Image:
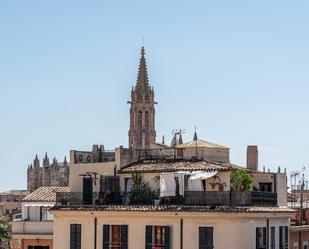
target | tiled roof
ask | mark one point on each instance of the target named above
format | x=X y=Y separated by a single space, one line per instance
x=172 y=208
x=45 y=194
x=199 y=143
x=176 y=165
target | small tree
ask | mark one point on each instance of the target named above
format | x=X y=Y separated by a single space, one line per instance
x=141 y=193
x=241 y=180
x=4 y=232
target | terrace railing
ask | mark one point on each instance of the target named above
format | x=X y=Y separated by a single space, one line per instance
x=230 y=198
x=198 y=198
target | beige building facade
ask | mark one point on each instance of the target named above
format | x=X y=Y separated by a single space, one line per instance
x=230 y=230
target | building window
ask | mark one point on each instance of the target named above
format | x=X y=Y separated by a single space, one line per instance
x=157 y=236
x=260 y=238
x=265 y=186
x=206 y=238
x=283 y=237
x=115 y=236
x=273 y=238
x=75 y=236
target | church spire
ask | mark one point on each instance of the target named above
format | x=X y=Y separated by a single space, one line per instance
x=142 y=77
x=142 y=112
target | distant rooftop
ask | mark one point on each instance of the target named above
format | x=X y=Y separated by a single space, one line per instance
x=200 y=144
x=45 y=194
x=15 y=192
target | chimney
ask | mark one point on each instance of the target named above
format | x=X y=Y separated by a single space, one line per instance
x=252 y=157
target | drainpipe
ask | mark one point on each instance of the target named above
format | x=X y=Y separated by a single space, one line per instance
x=95 y=232
x=181 y=234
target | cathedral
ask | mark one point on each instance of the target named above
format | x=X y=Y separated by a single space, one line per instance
x=50 y=174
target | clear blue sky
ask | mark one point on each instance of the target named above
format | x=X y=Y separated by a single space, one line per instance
x=239 y=70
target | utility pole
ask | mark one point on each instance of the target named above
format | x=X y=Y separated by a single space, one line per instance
x=300 y=218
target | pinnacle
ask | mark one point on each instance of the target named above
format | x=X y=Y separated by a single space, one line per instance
x=142 y=78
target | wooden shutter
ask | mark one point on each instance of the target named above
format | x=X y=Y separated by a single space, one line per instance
x=286 y=237
x=167 y=237
x=72 y=236
x=281 y=244
x=264 y=237
x=273 y=238
x=75 y=236
x=206 y=238
x=124 y=236
x=148 y=237
x=257 y=234
x=78 y=236
x=105 y=236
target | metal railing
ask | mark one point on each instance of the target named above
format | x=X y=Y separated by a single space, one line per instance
x=199 y=198
x=231 y=198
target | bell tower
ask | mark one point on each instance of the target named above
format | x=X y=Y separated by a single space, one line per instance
x=142 y=112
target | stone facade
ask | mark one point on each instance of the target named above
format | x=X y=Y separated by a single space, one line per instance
x=50 y=174
x=142 y=112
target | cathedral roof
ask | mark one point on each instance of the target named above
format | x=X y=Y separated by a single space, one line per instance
x=45 y=194
x=199 y=144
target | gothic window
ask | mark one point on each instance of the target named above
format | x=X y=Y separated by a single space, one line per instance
x=146 y=128
x=139 y=128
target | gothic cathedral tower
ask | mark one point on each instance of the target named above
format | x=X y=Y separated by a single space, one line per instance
x=142 y=112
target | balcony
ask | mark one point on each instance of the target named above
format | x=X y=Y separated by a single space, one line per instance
x=191 y=198
x=32 y=227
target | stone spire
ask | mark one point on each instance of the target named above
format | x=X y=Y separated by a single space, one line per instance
x=142 y=77
x=36 y=162
x=46 y=161
x=142 y=112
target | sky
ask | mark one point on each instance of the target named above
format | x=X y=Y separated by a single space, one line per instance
x=237 y=70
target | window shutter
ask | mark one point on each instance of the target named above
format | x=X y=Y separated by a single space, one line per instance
x=105 y=236
x=257 y=238
x=124 y=236
x=202 y=237
x=206 y=238
x=72 y=236
x=264 y=236
x=210 y=237
x=167 y=237
x=281 y=244
x=286 y=235
x=148 y=237
x=78 y=236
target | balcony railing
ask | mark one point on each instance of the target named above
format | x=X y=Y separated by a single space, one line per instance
x=231 y=198
x=32 y=227
x=198 y=198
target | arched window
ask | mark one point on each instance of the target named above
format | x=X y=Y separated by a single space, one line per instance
x=139 y=128
x=146 y=128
